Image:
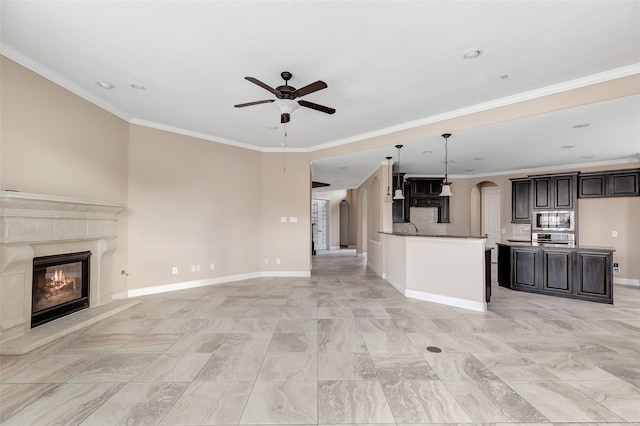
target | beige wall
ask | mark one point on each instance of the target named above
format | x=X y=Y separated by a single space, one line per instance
x=189 y=201
x=189 y=204
x=285 y=194
x=378 y=217
x=56 y=143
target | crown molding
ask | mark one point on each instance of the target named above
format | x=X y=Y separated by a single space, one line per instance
x=485 y=106
x=56 y=78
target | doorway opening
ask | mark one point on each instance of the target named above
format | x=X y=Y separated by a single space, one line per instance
x=319 y=224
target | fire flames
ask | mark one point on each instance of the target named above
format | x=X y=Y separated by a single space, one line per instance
x=59 y=281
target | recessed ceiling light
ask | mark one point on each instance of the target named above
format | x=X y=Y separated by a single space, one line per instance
x=504 y=76
x=105 y=84
x=468 y=170
x=472 y=54
x=449 y=162
x=343 y=167
x=568 y=146
x=273 y=127
x=479 y=158
x=587 y=156
x=138 y=86
x=581 y=126
x=427 y=152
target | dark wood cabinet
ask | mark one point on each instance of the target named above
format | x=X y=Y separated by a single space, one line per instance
x=554 y=192
x=584 y=274
x=624 y=184
x=420 y=192
x=443 y=212
x=541 y=193
x=504 y=265
x=520 y=200
x=525 y=264
x=593 y=275
x=400 y=208
x=557 y=271
x=426 y=187
x=612 y=183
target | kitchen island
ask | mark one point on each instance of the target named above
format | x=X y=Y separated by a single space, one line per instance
x=582 y=272
x=445 y=269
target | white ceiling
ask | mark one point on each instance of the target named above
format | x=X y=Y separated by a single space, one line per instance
x=387 y=64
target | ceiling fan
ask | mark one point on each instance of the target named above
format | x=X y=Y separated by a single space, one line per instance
x=286 y=96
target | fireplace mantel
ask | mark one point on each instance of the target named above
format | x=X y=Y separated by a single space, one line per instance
x=33 y=225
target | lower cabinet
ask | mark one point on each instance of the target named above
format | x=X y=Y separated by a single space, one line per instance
x=593 y=275
x=575 y=273
x=526 y=264
x=557 y=271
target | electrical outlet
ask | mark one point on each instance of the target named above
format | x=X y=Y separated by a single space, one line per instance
x=293 y=219
x=616 y=268
x=193 y=268
x=174 y=270
x=614 y=234
x=277 y=261
x=266 y=261
x=197 y=268
x=283 y=219
x=212 y=266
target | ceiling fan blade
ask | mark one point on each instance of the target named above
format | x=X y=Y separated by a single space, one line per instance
x=285 y=118
x=317 y=107
x=264 y=86
x=313 y=87
x=267 y=101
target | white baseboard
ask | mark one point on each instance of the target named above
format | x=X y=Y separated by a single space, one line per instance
x=207 y=282
x=627 y=281
x=374 y=269
x=446 y=300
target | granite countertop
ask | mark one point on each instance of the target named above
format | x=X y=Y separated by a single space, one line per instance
x=411 y=234
x=579 y=247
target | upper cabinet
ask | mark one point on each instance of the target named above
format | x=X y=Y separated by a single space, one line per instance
x=420 y=192
x=520 y=200
x=554 y=192
x=613 y=183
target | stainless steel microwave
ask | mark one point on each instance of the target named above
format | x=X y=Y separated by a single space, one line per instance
x=553 y=220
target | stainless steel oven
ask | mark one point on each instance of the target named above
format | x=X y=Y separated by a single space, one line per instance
x=553 y=220
x=553 y=239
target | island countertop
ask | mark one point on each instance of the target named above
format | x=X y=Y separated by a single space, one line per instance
x=411 y=234
x=557 y=246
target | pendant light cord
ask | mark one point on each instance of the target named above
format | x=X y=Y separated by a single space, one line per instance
x=446 y=161
x=284 y=150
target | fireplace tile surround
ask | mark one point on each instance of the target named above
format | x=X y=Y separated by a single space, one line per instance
x=34 y=225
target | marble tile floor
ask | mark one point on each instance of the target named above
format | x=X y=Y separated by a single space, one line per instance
x=340 y=347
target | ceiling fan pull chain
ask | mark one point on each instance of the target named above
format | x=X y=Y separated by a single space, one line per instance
x=284 y=150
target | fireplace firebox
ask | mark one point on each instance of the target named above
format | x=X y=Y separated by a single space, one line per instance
x=60 y=286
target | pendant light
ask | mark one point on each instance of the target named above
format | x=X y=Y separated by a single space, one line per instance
x=398 y=194
x=388 y=198
x=446 y=185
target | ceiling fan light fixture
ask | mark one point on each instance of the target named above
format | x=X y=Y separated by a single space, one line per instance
x=286 y=106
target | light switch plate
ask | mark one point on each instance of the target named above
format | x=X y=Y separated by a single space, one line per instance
x=283 y=219
x=293 y=219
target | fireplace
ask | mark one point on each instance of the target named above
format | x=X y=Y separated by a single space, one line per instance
x=60 y=286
